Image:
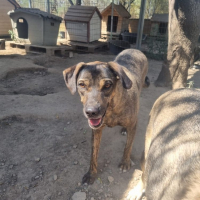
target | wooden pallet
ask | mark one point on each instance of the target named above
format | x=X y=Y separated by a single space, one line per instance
x=2 y=44
x=17 y=45
x=49 y=50
x=107 y=36
x=86 y=47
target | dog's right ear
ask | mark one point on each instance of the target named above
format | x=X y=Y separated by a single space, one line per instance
x=70 y=76
x=126 y=82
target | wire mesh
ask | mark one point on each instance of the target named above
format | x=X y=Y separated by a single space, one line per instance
x=60 y=7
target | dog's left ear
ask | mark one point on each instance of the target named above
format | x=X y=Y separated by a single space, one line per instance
x=70 y=76
x=126 y=82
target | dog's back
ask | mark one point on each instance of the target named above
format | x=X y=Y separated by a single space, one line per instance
x=172 y=147
x=136 y=62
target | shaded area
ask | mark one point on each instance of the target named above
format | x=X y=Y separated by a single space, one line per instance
x=172 y=162
x=30 y=81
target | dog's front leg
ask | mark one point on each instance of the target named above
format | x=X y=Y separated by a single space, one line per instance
x=90 y=176
x=126 y=161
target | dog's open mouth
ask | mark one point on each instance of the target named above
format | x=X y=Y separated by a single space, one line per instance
x=95 y=123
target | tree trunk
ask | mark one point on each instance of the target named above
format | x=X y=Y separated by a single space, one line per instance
x=183 y=33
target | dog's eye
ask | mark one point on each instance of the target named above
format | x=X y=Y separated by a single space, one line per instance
x=81 y=85
x=107 y=85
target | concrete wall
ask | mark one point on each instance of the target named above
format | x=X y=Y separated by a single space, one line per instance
x=77 y=31
x=35 y=27
x=95 y=27
x=51 y=28
x=5 y=22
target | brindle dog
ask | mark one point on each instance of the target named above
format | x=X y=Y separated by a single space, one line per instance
x=110 y=94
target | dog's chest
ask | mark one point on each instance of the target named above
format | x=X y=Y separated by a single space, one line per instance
x=114 y=120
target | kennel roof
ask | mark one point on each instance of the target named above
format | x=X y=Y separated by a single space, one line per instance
x=81 y=13
x=35 y=11
x=160 y=18
x=121 y=10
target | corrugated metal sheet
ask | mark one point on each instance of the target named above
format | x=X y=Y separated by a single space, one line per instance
x=81 y=13
x=160 y=18
x=119 y=9
x=35 y=11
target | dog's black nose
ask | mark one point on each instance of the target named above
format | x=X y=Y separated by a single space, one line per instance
x=92 y=111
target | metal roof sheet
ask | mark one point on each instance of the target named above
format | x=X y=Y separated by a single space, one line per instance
x=160 y=18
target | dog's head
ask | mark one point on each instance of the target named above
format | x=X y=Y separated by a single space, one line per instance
x=96 y=83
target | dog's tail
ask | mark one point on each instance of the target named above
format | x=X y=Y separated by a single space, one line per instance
x=146 y=82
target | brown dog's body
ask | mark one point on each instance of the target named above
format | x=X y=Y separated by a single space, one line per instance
x=110 y=94
x=171 y=170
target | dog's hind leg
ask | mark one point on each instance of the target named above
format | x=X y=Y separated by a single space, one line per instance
x=90 y=176
x=126 y=161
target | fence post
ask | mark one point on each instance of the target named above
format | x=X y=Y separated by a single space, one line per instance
x=140 y=25
x=30 y=4
x=111 y=28
x=48 y=6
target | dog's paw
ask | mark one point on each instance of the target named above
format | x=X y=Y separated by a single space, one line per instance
x=123 y=131
x=137 y=192
x=124 y=166
x=88 y=178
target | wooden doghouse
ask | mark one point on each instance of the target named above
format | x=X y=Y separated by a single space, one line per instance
x=133 y=26
x=83 y=23
x=31 y=25
x=159 y=25
x=5 y=23
x=120 y=19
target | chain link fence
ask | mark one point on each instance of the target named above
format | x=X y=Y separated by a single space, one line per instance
x=60 y=7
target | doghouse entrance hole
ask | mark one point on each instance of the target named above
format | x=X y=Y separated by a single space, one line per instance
x=22 y=28
x=115 y=21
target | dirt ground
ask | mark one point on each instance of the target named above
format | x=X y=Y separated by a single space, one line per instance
x=45 y=139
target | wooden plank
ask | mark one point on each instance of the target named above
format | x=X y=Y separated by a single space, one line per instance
x=78 y=38
x=77 y=33
x=76 y=26
x=79 y=11
x=78 y=15
x=77 y=29
x=78 y=19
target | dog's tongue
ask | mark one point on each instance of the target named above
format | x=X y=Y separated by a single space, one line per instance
x=95 y=122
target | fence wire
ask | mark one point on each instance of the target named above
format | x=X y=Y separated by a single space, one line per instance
x=60 y=7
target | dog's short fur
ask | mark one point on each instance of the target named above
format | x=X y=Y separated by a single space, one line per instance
x=110 y=95
x=172 y=149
